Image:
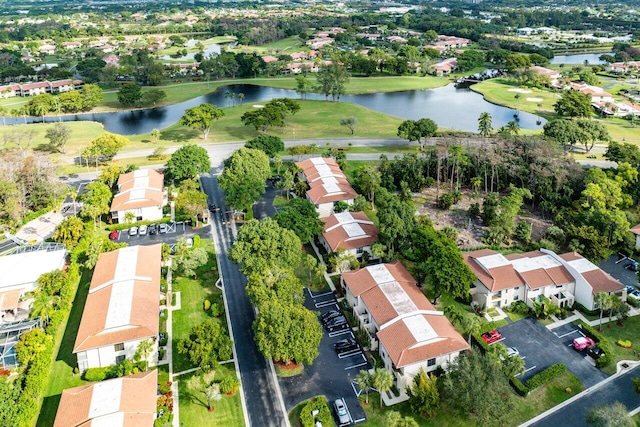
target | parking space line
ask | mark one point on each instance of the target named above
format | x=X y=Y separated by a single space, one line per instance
x=320 y=295
x=326 y=304
x=568 y=333
x=338 y=333
x=349 y=354
x=355 y=366
x=527 y=370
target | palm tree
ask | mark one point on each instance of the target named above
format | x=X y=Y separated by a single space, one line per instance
x=453 y=314
x=512 y=128
x=382 y=381
x=241 y=97
x=43 y=305
x=484 y=124
x=364 y=379
x=470 y=325
x=227 y=95
x=3 y=113
x=601 y=299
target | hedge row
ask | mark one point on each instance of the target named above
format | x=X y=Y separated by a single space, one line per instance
x=545 y=376
x=126 y=225
x=36 y=374
x=602 y=342
x=582 y=309
x=517 y=385
x=123 y=368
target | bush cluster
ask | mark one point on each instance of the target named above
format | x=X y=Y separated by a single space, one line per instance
x=123 y=368
x=602 y=342
x=625 y=344
x=545 y=376
x=324 y=413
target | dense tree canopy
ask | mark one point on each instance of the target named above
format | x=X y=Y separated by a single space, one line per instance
x=417 y=130
x=301 y=217
x=574 y=103
x=201 y=118
x=186 y=163
x=271 y=145
x=244 y=177
x=207 y=344
x=106 y=145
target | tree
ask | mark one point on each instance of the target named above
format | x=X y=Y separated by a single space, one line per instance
x=96 y=199
x=287 y=333
x=152 y=97
x=191 y=200
x=58 y=135
x=476 y=385
x=31 y=344
x=90 y=95
x=191 y=260
x=201 y=118
x=470 y=325
x=109 y=174
x=69 y=232
x=349 y=122
x=244 y=176
x=274 y=284
x=602 y=301
x=369 y=180
x=143 y=351
x=206 y=385
x=155 y=134
x=303 y=86
x=484 y=125
x=423 y=393
x=416 y=130
x=574 y=103
x=332 y=80
x=382 y=381
x=271 y=145
x=186 y=163
x=395 y=419
x=273 y=113
x=40 y=105
x=364 y=381
x=301 y=217
x=129 y=94
x=264 y=244
x=106 y=145
x=207 y=344
x=43 y=305
x=615 y=415
x=593 y=132
x=9 y=395
x=565 y=132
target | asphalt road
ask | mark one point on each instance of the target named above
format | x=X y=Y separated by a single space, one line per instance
x=573 y=414
x=263 y=402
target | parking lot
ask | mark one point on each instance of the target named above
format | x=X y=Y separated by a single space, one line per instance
x=331 y=374
x=174 y=232
x=541 y=348
x=617 y=268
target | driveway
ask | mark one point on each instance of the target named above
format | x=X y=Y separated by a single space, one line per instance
x=541 y=348
x=330 y=375
x=617 y=270
x=179 y=230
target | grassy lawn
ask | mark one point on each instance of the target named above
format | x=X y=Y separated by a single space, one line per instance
x=286 y=46
x=524 y=408
x=193 y=406
x=61 y=375
x=192 y=294
x=615 y=333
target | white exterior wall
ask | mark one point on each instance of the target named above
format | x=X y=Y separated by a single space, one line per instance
x=105 y=356
x=151 y=213
x=324 y=209
x=637 y=241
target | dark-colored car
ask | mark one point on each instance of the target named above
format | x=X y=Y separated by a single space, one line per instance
x=337 y=323
x=153 y=229
x=213 y=207
x=343 y=346
x=329 y=315
x=491 y=336
x=114 y=235
x=595 y=352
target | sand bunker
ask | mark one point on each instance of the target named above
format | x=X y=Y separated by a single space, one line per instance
x=520 y=90
x=535 y=99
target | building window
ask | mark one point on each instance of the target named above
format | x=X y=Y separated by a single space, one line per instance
x=360 y=250
x=119 y=359
x=118 y=347
x=516 y=297
x=431 y=362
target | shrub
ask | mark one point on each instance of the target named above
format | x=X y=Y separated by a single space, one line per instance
x=161 y=353
x=517 y=385
x=229 y=385
x=196 y=241
x=581 y=308
x=625 y=344
x=216 y=311
x=206 y=305
x=165 y=387
x=602 y=342
x=477 y=338
x=446 y=201
x=519 y=307
x=633 y=302
x=474 y=211
x=545 y=376
x=163 y=338
x=97 y=374
x=324 y=413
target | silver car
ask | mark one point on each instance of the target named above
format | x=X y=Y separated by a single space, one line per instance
x=341 y=411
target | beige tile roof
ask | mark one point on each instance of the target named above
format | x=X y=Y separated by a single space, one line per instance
x=349 y=230
x=122 y=304
x=138 y=189
x=9 y=299
x=327 y=183
x=636 y=229
x=133 y=405
x=599 y=280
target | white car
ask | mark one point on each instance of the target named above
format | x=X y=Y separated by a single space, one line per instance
x=634 y=295
x=341 y=411
x=133 y=231
x=142 y=230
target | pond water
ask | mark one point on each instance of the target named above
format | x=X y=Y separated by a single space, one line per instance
x=449 y=107
x=593 y=58
x=208 y=51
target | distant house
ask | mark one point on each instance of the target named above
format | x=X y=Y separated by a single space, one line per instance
x=327 y=184
x=269 y=58
x=369 y=36
x=60 y=86
x=445 y=67
x=37 y=88
x=20 y=272
x=636 y=230
x=47 y=49
x=126 y=401
x=317 y=43
x=563 y=279
x=140 y=192
x=623 y=67
x=122 y=306
x=71 y=45
x=112 y=60
x=9 y=91
x=396 y=39
x=351 y=232
x=403 y=326
x=553 y=75
x=451 y=42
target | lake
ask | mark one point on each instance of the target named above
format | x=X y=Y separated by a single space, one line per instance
x=593 y=58
x=449 y=107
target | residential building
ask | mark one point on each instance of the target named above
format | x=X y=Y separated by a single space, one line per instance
x=351 y=232
x=327 y=184
x=9 y=91
x=37 y=88
x=553 y=75
x=122 y=307
x=112 y=60
x=140 y=192
x=623 y=67
x=636 y=230
x=128 y=401
x=563 y=279
x=445 y=67
x=451 y=42
x=20 y=272
x=403 y=326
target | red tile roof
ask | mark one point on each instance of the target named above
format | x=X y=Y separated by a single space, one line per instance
x=138 y=189
x=349 y=230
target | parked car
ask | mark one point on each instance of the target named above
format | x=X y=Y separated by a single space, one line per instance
x=330 y=315
x=634 y=295
x=633 y=266
x=595 y=352
x=213 y=207
x=133 y=231
x=491 y=336
x=341 y=411
x=337 y=323
x=162 y=228
x=114 y=235
x=629 y=289
x=143 y=230
x=153 y=229
x=343 y=346
x=582 y=342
